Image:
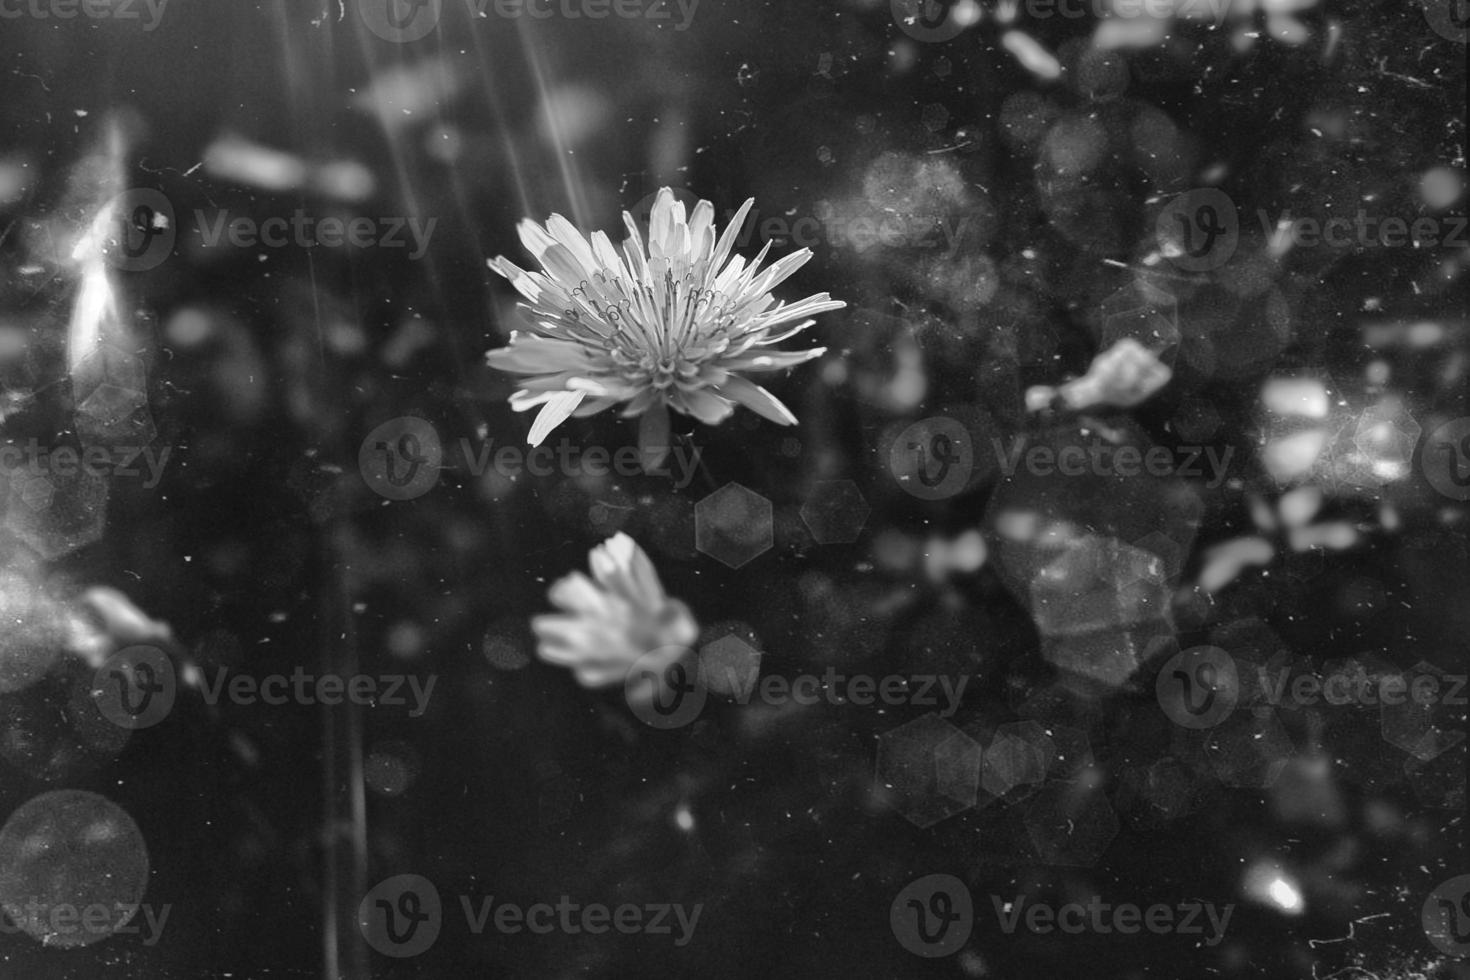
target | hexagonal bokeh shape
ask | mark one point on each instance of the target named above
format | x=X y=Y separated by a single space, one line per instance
x=935 y=116
x=1033 y=733
x=1417 y=716
x=1071 y=751
x=1385 y=438
x=729 y=666
x=1107 y=658
x=108 y=365
x=734 y=525
x=111 y=414
x=1101 y=606
x=1440 y=782
x=1145 y=313
x=1037 y=740
x=835 y=512
x=1168 y=551
x=1250 y=749
x=957 y=769
x=928 y=769
x=1097 y=583
x=34 y=490
x=1011 y=761
x=34 y=635
x=1071 y=824
x=71 y=516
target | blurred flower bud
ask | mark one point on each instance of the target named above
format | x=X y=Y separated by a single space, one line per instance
x=1124 y=375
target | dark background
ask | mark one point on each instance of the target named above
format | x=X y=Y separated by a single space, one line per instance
x=263 y=549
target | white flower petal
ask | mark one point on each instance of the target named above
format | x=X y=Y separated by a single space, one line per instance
x=666 y=324
x=704 y=405
x=557 y=410
x=757 y=399
x=533 y=237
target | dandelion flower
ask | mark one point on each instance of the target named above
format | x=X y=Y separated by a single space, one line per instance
x=673 y=325
x=610 y=621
